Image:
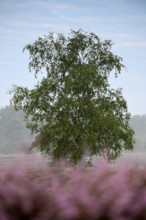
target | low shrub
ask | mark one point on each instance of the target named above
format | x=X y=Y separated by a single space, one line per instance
x=60 y=193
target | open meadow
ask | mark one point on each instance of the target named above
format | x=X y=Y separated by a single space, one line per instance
x=22 y=160
x=34 y=159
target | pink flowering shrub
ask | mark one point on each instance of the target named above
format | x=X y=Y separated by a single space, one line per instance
x=20 y=198
x=60 y=193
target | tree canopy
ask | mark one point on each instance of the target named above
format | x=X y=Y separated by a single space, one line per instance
x=73 y=108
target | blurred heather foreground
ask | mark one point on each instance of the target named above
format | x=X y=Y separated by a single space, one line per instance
x=104 y=192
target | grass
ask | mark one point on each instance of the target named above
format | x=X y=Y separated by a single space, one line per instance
x=32 y=160
x=27 y=160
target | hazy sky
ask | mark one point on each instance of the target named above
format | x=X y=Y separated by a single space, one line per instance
x=122 y=21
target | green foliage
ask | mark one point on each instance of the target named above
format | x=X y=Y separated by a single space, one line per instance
x=73 y=108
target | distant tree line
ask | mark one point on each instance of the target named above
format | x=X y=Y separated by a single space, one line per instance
x=16 y=138
x=138 y=123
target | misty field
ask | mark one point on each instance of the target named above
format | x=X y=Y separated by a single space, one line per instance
x=26 y=160
x=9 y=160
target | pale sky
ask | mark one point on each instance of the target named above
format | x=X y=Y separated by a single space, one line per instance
x=122 y=21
